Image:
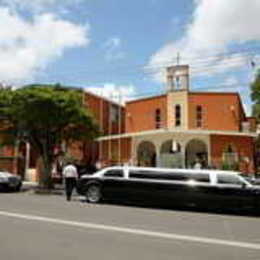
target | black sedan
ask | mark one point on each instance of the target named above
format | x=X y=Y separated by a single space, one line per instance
x=10 y=182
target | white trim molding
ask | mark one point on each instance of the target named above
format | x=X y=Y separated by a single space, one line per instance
x=176 y=131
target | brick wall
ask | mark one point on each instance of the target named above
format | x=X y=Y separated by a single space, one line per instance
x=100 y=109
x=221 y=111
x=8 y=164
x=243 y=145
x=110 y=154
x=140 y=114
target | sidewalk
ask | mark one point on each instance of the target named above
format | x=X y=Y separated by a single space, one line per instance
x=33 y=186
x=28 y=185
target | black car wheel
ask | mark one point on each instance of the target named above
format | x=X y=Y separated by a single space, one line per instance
x=93 y=193
x=18 y=187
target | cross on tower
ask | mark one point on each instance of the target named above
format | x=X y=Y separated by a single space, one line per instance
x=178 y=58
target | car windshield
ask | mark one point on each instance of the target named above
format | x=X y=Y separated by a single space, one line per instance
x=246 y=178
x=235 y=179
x=243 y=180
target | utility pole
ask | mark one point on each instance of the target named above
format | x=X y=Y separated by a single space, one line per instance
x=109 y=126
x=101 y=127
x=120 y=124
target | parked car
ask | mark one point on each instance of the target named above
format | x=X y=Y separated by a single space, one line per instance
x=10 y=182
x=203 y=188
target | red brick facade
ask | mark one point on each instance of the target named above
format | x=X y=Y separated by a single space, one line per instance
x=220 y=111
x=140 y=114
x=243 y=146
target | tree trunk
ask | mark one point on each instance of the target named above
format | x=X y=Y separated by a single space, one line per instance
x=46 y=176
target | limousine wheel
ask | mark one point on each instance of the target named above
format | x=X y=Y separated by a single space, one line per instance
x=93 y=193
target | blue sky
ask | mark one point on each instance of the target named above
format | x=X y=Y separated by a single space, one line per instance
x=142 y=27
x=109 y=45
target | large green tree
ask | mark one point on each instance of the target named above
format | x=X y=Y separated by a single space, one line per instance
x=45 y=116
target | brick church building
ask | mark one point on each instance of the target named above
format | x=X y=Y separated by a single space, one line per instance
x=176 y=129
x=182 y=127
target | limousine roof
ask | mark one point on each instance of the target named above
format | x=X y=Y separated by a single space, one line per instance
x=166 y=170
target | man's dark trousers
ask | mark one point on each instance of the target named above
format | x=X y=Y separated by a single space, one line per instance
x=70 y=184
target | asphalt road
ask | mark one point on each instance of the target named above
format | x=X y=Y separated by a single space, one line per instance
x=35 y=227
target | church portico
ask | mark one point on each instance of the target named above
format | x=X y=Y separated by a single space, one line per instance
x=171 y=148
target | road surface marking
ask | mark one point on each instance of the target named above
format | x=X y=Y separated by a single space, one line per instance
x=140 y=232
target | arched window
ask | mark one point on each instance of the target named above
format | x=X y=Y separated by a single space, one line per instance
x=177 y=115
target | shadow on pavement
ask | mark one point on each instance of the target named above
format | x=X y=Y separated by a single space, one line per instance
x=190 y=208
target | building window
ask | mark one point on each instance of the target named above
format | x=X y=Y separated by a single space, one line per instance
x=199 y=116
x=177 y=115
x=114 y=114
x=158 y=118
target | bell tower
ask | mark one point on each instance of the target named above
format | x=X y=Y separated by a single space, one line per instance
x=177 y=96
x=177 y=78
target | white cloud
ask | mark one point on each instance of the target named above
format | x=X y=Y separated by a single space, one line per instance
x=39 y=5
x=231 y=81
x=27 y=47
x=216 y=25
x=113 y=49
x=116 y=93
x=114 y=42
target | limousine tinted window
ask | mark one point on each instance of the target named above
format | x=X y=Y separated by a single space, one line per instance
x=144 y=175
x=174 y=176
x=228 y=179
x=200 y=177
x=114 y=173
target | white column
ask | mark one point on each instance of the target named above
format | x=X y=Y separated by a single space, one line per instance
x=133 y=151
x=209 y=151
x=183 y=156
x=158 y=157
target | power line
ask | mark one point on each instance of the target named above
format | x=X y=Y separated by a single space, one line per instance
x=202 y=62
x=161 y=92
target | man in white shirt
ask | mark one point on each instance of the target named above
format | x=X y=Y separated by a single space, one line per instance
x=70 y=175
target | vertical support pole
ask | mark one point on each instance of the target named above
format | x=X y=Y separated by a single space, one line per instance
x=134 y=155
x=101 y=128
x=119 y=127
x=27 y=160
x=158 y=159
x=109 y=127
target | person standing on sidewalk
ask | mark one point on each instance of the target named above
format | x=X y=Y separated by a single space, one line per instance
x=70 y=175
